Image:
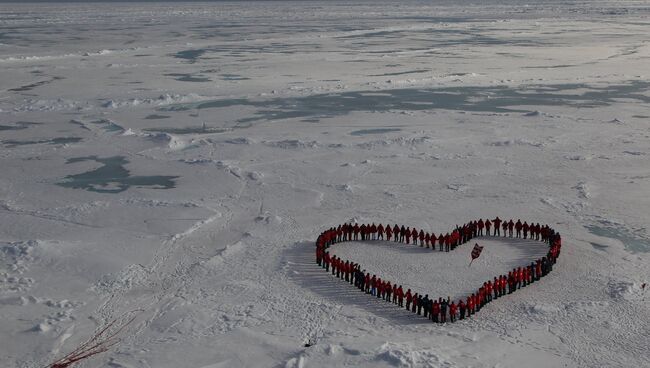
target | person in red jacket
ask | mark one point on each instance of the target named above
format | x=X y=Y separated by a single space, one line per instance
x=447 y=242
x=400 y=296
x=525 y=229
x=407 y=234
x=480 y=225
x=380 y=287
x=427 y=239
x=452 y=312
x=435 y=311
x=326 y=261
x=488 y=291
x=389 y=232
x=453 y=239
x=396 y=233
x=511 y=225
x=488 y=225
x=421 y=236
x=395 y=293
x=367 y=283
x=470 y=305
x=414 y=233
x=414 y=306
x=380 y=232
x=497 y=226
x=388 y=290
x=409 y=299
x=518 y=227
x=433 y=241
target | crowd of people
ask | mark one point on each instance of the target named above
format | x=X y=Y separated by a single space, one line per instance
x=438 y=310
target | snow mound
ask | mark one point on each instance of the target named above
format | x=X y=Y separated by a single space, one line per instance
x=41 y=328
x=15 y=260
x=240 y=140
x=583 y=190
x=228 y=251
x=345 y=188
x=399 y=355
x=458 y=187
x=58 y=104
x=515 y=142
x=400 y=141
x=626 y=290
x=292 y=144
x=533 y=113
x=162 y=100
x=255 y=175
x=542 y=309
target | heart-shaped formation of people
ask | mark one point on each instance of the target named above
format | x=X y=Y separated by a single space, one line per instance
x=440 y=310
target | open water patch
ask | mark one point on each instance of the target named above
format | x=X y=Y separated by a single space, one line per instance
x=233 y=77
x=112 y=177
x=156 y=116
x=182 y=77
x=108 y=125
x=374 y=131
x=493 y=99
x=29 y=87
x=632 y=242
x=190 y=55
x=18 y=126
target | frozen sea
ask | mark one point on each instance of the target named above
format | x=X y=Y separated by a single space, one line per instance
x=179 y=159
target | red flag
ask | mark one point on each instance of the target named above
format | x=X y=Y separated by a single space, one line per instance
x=476 y=252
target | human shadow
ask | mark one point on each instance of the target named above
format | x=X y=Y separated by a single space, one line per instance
x=306 y=273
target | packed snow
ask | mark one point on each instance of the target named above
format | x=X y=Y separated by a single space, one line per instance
x=177 y=162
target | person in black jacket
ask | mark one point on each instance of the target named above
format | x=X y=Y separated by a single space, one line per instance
x=426 y=306
x=443 y=310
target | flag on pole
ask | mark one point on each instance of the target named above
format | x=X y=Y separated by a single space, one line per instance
x=476 y=252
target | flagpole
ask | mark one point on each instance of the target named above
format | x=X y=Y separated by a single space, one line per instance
x=470 y=263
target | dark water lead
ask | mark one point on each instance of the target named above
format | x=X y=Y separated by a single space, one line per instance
x=496 y=99
x=112 y=177
x=190 y=55
x=108 y=125
x=181 y=77
x=18 y=126
x=156 y=116
x=632 y=242
x=233 y=77
x=61 y=140
x=374 y=131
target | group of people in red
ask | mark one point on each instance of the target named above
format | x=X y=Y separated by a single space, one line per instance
x=440 y=310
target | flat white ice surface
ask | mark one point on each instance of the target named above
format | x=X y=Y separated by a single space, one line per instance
x=181 y=159
x=441 y=274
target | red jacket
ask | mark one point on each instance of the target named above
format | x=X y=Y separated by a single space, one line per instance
x=435 y=308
